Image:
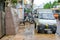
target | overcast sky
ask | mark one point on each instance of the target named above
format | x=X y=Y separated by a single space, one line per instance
x=42 y=2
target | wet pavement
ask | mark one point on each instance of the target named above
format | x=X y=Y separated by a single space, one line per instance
x=27 y=33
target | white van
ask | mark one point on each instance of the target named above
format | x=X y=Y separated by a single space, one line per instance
x=45 y=21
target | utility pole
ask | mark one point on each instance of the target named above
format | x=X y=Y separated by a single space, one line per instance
x=32 y=6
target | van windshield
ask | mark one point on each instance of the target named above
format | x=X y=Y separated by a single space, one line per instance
x=48 y=16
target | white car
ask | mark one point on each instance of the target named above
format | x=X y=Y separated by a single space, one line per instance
x=45 y=21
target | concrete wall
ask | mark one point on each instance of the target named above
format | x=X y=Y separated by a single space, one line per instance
x=15 y=19
x=10 y=27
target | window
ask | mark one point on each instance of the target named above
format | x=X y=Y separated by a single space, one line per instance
x=48 y=16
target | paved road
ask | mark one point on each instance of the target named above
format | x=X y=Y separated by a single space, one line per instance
x=27 y=29
x=27 y=33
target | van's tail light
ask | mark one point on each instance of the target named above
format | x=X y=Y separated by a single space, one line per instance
x=56 y=16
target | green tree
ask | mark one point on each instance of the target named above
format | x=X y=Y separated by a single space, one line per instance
x=50 y=5
x=47 y=5
x=55 y=3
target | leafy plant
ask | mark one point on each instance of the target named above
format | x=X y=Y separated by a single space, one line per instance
x=27 y=10
x=14 y=1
